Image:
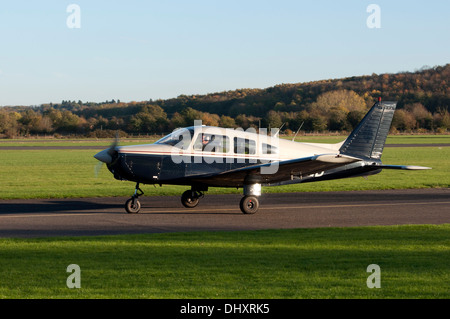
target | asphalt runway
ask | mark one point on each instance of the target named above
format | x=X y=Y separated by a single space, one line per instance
x=106 y=216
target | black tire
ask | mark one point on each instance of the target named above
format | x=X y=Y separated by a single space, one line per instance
x=133 y=208
x=249 y=204
x=188 y=200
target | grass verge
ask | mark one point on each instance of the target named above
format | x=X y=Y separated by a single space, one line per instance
x=297 y=263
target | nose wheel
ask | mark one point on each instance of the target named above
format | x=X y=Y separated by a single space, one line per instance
x=133 y=205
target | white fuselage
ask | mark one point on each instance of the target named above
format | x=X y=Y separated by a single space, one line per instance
x=280 y=149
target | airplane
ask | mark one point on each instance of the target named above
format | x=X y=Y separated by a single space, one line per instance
x=204 y=156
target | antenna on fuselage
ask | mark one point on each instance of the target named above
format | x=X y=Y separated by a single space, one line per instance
x=278 y=132
x=297 y=131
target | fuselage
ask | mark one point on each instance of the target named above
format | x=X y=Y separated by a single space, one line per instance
x=186 y=154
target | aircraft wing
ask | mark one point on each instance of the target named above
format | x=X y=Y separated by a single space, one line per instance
x=405 y=167
x=277 y=171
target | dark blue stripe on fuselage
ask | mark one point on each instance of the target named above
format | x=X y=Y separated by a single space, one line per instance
x=156 y=169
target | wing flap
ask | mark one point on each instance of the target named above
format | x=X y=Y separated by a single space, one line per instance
x=337 y=158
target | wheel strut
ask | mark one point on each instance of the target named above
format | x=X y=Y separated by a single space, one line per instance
x=132 y=205
x=137 y=192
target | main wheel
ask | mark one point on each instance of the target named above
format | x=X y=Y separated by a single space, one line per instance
x=249 y=204
x=133 y=206
x=189 y=199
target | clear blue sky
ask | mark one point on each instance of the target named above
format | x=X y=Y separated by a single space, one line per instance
x=139 y=50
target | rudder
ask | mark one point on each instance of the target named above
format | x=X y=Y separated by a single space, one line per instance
x=368 y=138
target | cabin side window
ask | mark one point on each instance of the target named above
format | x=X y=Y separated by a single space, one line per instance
x=244 y=146
x=269 y=149
x=212 y=143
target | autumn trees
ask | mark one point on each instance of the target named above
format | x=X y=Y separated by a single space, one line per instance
x=330 y=105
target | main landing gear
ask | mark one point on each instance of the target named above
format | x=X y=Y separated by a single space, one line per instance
x=191 y=198
x=133 y=205
x=249 y=203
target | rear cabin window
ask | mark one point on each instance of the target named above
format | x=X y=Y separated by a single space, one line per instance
x=269 y=149
x=212 y=143
x=244 y=146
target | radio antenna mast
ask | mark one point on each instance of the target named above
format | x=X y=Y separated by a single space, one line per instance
x=297 y=131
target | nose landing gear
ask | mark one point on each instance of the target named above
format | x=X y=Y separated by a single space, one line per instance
x=133 y=205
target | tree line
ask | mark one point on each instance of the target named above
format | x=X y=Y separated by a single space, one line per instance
x=330 y=105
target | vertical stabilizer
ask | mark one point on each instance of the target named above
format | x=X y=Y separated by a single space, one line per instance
x=368 y=138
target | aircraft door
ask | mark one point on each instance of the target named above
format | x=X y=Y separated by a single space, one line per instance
x=210 y=154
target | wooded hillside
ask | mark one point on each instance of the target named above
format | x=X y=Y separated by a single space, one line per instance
x=329 y=105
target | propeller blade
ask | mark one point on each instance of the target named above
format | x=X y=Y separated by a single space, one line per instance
x=97 y=168
x=112 y=148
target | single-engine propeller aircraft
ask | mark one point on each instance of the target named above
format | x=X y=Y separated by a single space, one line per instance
x=203 y=156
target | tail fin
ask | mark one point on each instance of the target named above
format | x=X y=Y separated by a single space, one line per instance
x=368 y=138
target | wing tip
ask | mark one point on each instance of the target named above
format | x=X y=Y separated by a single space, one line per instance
x=405 y=167
x=416 y=168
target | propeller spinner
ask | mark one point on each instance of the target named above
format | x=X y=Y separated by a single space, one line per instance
x=106 y=156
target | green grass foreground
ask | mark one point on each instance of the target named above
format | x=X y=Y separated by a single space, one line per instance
x=71 y=174
x=297 y=263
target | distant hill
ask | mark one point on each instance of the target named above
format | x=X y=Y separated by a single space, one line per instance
x=423 y=104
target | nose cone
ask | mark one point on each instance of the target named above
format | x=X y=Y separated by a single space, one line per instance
x=104 y=157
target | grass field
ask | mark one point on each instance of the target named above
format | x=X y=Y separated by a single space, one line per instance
x=299 y=263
